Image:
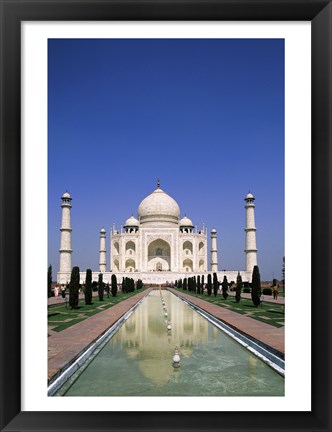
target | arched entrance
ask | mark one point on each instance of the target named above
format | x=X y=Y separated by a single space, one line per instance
x=159 y=256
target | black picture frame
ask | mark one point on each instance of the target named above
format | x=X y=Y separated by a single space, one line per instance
x=13 y=12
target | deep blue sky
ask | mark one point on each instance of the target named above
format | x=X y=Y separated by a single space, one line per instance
x=206 y=116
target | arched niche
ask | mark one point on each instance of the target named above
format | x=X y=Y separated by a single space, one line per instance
x=116 y=248
x=116 y=265
x=130 y=247
x=187 y=265
x=187 y=248
x=201 y=247
x=130 y=265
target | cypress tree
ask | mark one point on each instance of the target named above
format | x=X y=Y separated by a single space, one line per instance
x=180 y=283
x=239 y=285
x=88 y=287
x=114 y=289
x=215 y=284
x=190 y=285
x=74 y=286
x=49 y=281
x=123 y=285
x=224 y=286
x=101 y=287
x=185 y=284
x=202 y=288
x=176 y=284
x=194 y=284
x=209 y=285
x=256 y=286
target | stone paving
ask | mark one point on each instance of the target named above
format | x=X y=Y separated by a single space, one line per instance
x=267 y=334
x=65 y=346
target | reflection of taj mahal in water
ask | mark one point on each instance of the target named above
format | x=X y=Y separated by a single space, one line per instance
x=158 y=246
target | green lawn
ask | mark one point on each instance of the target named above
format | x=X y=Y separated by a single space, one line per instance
x=60 y=317
x=269 y=313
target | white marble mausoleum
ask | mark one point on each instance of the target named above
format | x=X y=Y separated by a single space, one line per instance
x=157 y=246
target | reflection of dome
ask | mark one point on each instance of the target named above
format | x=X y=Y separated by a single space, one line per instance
x=185 y=221
x=131 y=222
x=159 y=207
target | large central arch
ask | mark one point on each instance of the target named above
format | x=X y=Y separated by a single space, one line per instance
x=159 y=256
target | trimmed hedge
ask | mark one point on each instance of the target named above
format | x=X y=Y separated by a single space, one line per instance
x=246 y=290
x=267 y=291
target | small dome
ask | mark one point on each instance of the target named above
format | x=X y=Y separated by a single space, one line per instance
x=103 y=230
x=131 y=222
x=250 y=196
x=213 y=230
x=159 y=207
x=185 y=221
x=66 y=195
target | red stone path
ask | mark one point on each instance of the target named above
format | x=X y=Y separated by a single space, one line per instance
x=64 y=347
x=272 y=336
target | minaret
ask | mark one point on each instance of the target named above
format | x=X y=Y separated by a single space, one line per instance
x=250 y=229
x=214 y=251
x=102 y=251
x=65 y=242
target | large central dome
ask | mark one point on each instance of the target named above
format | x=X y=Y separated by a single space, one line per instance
x=158 y=207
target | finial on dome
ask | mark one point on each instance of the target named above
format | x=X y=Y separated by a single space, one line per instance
x=158 y=184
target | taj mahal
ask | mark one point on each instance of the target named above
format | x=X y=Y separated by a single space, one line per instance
x=158 y=246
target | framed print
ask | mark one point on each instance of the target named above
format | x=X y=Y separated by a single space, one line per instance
x=47 y=48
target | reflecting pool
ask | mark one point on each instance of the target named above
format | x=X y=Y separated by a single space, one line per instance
x=137 y=360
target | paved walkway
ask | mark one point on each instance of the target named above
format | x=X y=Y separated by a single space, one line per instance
x=66 y=346
x=269 y=335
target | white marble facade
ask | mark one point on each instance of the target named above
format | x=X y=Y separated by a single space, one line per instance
x=158 y=240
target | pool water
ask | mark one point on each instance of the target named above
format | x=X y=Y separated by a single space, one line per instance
x=137 y=360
